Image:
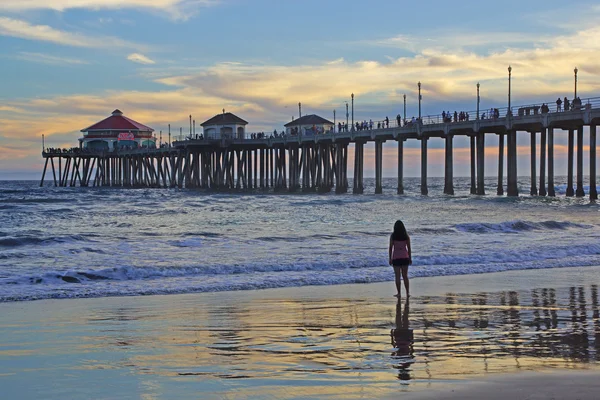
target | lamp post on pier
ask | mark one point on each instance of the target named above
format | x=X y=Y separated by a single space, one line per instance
x=575 y=70
x=419 y=84
x=352 y=95
x=43 y=145
x=477 y=116
x=404 y=109
x=334 y=120
x=169 y=135
x=347 y=115
x=160 y=139
x=509 y=112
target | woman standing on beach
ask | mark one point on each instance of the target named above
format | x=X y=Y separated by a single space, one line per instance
x=400 y=255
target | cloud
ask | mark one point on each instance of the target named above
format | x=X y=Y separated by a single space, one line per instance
x=267 y=95
x=140 y=59
x=446 y=40
x=49 y=59
x=178 y=9
x=24 y=30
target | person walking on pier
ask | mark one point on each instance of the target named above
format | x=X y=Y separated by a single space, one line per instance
x=400 y=256
x=558 y=104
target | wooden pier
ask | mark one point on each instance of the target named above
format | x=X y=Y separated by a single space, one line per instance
x=319 y=163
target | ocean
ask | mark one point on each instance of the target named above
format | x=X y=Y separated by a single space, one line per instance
x=99 y=242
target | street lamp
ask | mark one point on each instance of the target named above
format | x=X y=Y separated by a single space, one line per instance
x=43 y=145
x=160 y=141
x=509 y=112
x=419 y=84
x=477 y=116
x=334 y=120
x=169 y=135
x=352 y=111
x=404 y=108
x=299 y=110
x=575 y=70
x=346 y=115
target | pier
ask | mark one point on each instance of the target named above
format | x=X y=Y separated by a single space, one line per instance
x=319 y=162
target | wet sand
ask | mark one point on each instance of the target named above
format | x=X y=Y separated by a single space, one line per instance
x=522 y=334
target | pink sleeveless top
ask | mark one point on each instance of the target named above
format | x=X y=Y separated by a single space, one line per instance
x=400 y=249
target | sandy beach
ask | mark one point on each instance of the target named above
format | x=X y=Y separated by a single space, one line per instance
x=518 y=335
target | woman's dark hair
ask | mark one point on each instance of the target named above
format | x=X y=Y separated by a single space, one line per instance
x=399 y=231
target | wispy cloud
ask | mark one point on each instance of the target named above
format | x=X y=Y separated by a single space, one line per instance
x=140 y=59
x=179 y=9
x=452 y=40
x=49 y=59
x=24 y=30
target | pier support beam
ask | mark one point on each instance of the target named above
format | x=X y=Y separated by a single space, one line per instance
x=378 y=166
x=359 y=155
x=339 y=169
x=580 y=192
x=400 y=189
x=593 y=190
x=449 y=167
x=570 y=191
x=500 y=190
x=512 y=189
x=542 y=191
x=44 y=173
x=424 y=189
x=481 y=164
x=533 y=190
x=551 y=191
x=473 y=166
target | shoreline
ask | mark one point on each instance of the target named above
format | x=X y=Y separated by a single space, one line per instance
x=505 y=275
x=472 y=334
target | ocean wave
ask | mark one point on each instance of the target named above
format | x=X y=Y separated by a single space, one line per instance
x=43 y=241
x=517 y=226
x=33 y=201
x=474 y=262
x=66 y=286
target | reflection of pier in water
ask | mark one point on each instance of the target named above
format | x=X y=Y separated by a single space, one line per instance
x=531 y=328
x=312 y=163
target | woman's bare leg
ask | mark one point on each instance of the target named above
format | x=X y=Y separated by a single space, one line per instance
x=398 y=276
x=405 y=279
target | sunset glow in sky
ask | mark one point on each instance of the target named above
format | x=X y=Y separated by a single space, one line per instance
x=69 y=63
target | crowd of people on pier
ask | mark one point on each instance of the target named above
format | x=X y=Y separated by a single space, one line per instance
x=458 y=116
x=72 y=150
x=94 y=150
x=566 y=105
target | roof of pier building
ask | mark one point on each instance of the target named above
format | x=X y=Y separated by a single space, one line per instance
x=311 y=119
x=118 y=122
x=224 y=119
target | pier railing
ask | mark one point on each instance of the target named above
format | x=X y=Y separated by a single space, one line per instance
x=493 y=113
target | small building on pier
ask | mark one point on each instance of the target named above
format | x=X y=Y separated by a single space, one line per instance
x=224 y=126
x=117 y=131
x=308 y=125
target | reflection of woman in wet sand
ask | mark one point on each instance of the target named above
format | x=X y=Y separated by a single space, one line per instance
x=402 y=340
x=400 y=255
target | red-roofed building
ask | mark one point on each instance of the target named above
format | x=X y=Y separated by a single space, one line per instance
x=117 y=131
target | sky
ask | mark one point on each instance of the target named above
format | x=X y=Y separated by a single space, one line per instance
x=66 y=64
